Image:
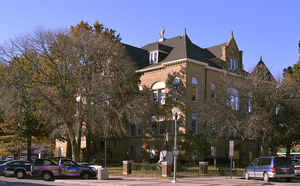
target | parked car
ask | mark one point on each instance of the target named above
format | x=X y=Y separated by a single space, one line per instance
x=96 y=167
x=9 y=158
x=2 y=161
x=17 y=168
x=2 y=167
x=48 y=169
x=297 y=168
x=270 y=167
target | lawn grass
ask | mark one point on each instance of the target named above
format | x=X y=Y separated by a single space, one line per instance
x=181 y=172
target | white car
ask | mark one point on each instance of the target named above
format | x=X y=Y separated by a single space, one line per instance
x=9 y=158
x=297 y=168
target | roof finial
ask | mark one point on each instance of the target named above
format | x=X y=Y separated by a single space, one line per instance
x=231 y=35
x=260 y=58
x=185 y=31
x=162 y=34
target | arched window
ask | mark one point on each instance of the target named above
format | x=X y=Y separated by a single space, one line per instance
x=194 y=89
x=233 y=98
x=159 y=93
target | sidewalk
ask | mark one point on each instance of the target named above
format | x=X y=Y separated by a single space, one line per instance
x=135 y=181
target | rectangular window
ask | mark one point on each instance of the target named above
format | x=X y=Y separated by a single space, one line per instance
x=162 y=128
x=153 y=125
x=153 y=57
x=230 y=64
x=250 y=105
x=213 y=91
x=194 y=93
x=159 y=96
x=277 y=109
x=163 y=97
x=195 y=124
x=213 y=127
x=150 y=58
x=174 y=95
x=234 y=102
x=139 y=131
x=155 y=97
x=162 y=125
x=132 y=130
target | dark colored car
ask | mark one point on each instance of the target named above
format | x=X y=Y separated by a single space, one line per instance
x=17 y=168
x=270 y=167
x=2 y=161
x=48 y=169
x=2 y=164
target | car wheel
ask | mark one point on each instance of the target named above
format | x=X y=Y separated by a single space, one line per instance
x=47 y=176
x=20 y=174
x=266 y=177
x=246 y=176
x=85 y=175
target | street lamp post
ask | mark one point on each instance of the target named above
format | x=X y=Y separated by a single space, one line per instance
x=175 y=112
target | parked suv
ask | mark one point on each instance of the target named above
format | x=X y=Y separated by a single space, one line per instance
x=270 y=167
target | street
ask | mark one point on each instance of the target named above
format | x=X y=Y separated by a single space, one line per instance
x=135 y=181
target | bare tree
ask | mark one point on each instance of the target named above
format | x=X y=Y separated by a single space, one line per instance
x=79 y=75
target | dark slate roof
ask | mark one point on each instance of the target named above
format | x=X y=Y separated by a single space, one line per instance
x=137 y=55
x=181 y=47
x=217 y=50
x=262 y=71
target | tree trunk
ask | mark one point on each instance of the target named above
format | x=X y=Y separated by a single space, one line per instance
x=88 y=145
x=29 y=141
x=75 y=139
x=288 y=150
x=69 y=149
x=75 y=150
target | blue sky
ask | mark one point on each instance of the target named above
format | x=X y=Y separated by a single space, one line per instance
x=268 y=28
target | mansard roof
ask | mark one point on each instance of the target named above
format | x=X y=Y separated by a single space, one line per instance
x=138 y=55
x=181 y=47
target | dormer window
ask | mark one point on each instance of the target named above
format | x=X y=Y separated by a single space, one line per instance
x=153 y=57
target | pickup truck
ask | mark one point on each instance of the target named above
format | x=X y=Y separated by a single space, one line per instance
x=49 y=170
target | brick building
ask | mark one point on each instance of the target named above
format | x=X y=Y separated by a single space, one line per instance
x=204 y=68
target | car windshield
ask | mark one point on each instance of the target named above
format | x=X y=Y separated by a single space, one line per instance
x=279 y=161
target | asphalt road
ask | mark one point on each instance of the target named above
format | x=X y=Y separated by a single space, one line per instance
x=32 y=182
x=132 y=181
